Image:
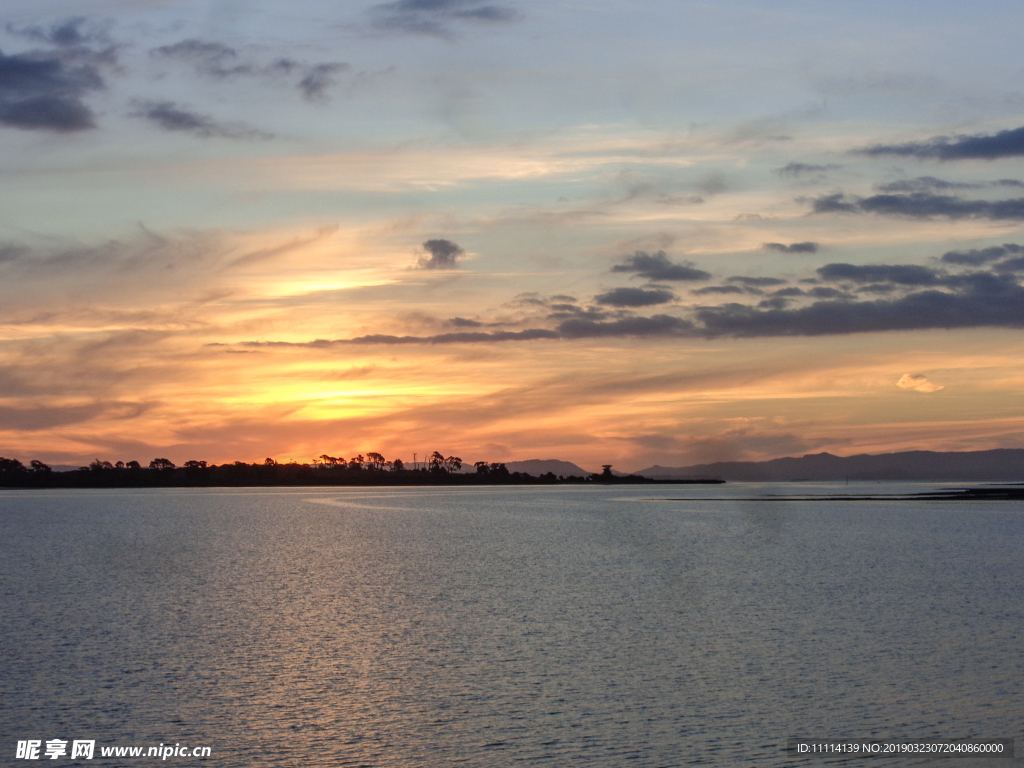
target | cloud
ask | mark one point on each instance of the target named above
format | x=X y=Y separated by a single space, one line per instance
x=835 y=203
x=40 y=91
x=434 y=17
x=976 y=258
x=443 y=254
x=634 y=297
x=576 y=328
x=1009 y=143
x=171 y=117
x=462 y=322
x=917 y=383
x=10 y=252
x=925 y=183
x=901 y=274
x=220 y=61
x=560 y=307
x=984 y=301
x=713 y=184
x=937 y=300
x=841 y=299
x=319 y=78
x=466 y=337
x=656 y=325
x=807 y=247
x=657 y=266
x=718 y=289
x=1011 y=265
x=69 y=33
x=209 y=58
x=41 y=418
x=127 y=273
x=922 y=205
x=820 y=292
x=756 y=281
x=799 y=169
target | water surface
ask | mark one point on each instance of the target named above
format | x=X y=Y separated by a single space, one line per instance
x=508 y=626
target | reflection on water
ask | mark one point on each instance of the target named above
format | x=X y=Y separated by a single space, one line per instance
x=494 y=627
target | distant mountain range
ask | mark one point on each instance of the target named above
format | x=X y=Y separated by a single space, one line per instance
x=538 y=467
x=1001 y=464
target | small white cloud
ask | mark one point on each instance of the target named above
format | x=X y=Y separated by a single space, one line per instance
x=917 y=383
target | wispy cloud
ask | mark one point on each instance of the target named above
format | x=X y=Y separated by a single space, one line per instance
x=926 y=183
x=758 y=282
x=805 y=169
x=917 y=383
x=436 y=17
x=806 y=247
x=217 y=60
x=713 y=289
x=171 y=117
x=74 y=32
x=461 y=337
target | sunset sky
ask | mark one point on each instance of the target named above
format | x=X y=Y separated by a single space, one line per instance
x=605 y=231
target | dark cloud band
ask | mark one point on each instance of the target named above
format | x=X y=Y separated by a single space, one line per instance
x=657 y=266
x=634 y=297
x=1009 y=143
x=922 y=205
x=963 y=289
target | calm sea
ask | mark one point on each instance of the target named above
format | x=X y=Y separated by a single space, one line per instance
x=504 y=627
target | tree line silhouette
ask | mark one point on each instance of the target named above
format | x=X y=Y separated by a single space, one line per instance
x=371 y=469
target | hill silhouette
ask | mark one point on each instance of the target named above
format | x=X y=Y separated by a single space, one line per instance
x=1000 y=464
x=543 y=466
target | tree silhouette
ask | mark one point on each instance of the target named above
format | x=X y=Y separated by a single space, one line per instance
x=193 y=464
x=11 y=465
x=453 y=463
x=375 y=460
x=38 y=466
x=161 y=464
x=397 y=465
